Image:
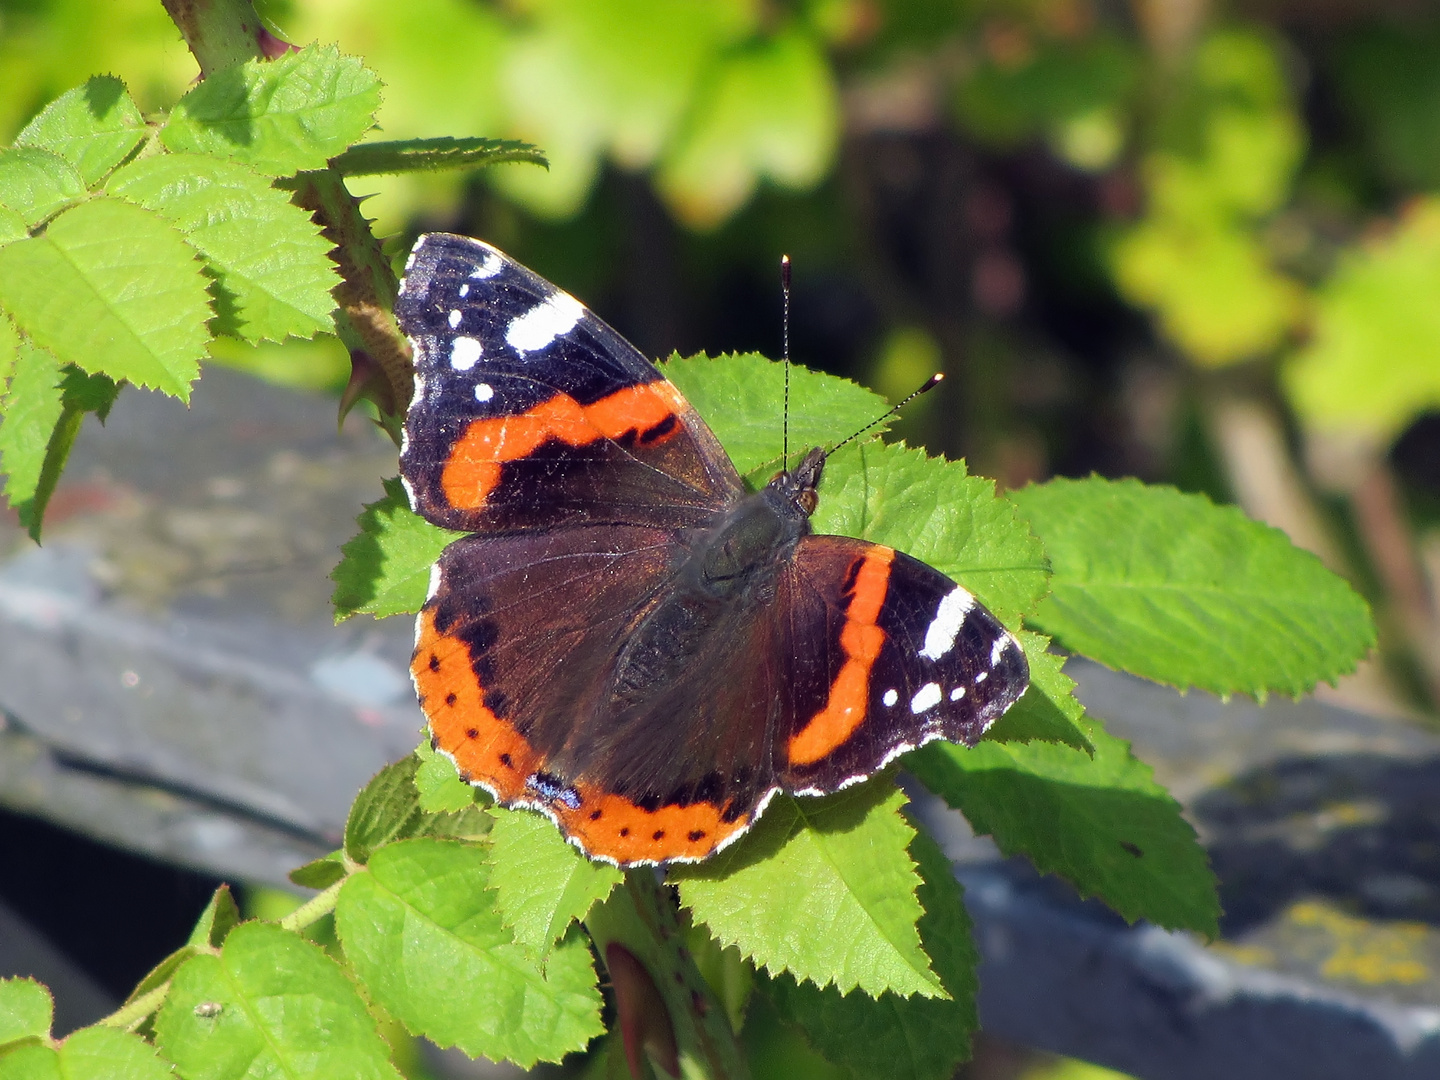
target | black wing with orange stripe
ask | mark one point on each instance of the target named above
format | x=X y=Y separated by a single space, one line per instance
x=531 y=413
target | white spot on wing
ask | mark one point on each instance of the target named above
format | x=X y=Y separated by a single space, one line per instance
x=997 y=650
x=945 y=626
x=957 y=693
x=484 y=392
x=454 y=318
x=981 y=677
x=891 y=696
x=543 y=323
x=464 y=352
x=464 y=289
x=489 y=265
x=927 y=697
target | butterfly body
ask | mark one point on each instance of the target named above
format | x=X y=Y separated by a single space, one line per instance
x=628 y=640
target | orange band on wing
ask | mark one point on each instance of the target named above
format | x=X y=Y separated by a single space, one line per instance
x=615 y=828
x=473 y=469
x=861 y=640
x=486 y=748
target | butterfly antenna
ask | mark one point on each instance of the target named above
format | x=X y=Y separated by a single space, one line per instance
x=785 y=331
x=924 y=388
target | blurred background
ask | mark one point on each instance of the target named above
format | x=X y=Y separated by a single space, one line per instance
x=1194 y=242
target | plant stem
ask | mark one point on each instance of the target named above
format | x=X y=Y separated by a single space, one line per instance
x=313 y=910
x=219 y=33
x=642 y=918
x=128 y=1017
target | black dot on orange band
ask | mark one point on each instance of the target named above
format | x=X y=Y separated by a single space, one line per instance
x=450 y=700
x=594 y=815
x=472 y=733
x=434 y=662
x=625 y=831
x=659 y=835
x=505 y=760
x=697 y=834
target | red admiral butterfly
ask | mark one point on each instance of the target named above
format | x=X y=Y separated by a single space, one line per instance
x=628 y=640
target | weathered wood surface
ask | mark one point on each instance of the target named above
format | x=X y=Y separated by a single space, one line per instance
x=171 y=682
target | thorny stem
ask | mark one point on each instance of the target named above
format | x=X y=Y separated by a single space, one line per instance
x=221 y=33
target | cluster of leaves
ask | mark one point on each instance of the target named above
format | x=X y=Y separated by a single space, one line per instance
x=127 y=245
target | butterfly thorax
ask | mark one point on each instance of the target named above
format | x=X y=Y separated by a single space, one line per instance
x=728 y=570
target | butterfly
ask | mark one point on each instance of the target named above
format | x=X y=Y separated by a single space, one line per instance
x=628 y=640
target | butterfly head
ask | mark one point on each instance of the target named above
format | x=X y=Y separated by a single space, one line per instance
x=796 y=487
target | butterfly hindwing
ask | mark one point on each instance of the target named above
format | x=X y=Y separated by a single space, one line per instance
x=888 y=654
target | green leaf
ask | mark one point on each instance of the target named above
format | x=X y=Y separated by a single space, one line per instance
x=823 y=889
x=12 y=226
x=1048 y=711
x=112 y=289
x=542 y=883
x=439 y=785
x=221 y=915
x=214 y=925
x=1211 y=284
x=320 y=873
x=94 y=127
x=932 y=509
x=26 y=1009
x=1100 y=822
x=771 y=110
x=1370 y=361
x=279 y=116
x=421 y=932
x=285 y=1009
x=33 y=408
x=93 y=1053
x=1179 y=590
x=429 y=155
x=892 y=1037
x=36 y=183
x=385 y=569
x=387 y=808
x=390 y=808
x=273 y=266
x=621 y=76
x=79 y=394
x=9 y=355
x=741 y=397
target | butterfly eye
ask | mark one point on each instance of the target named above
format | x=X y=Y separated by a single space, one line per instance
x=807 y=500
